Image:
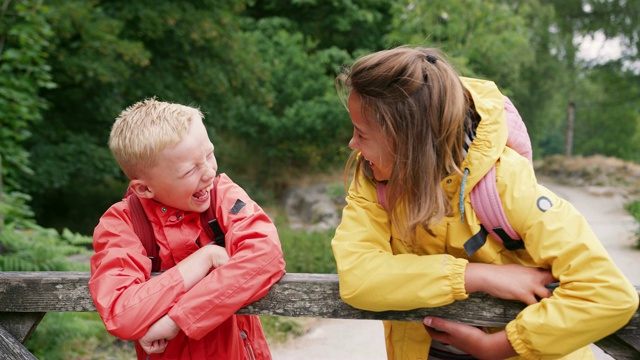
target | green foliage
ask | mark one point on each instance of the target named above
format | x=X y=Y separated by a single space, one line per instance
x=540 y=93
x=608 y=100
x=279 y=329
x=39 y=249
x=634 y=209
x=347 y=24
x=24 y=71
x=90 y=63
x=78 y=152
x=66 y=336
x=26 y=246
x=298 y=124
x=307 y=252
x=483 y=38
x=14 y=209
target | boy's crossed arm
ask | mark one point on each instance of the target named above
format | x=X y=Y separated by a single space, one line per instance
x=193 y=269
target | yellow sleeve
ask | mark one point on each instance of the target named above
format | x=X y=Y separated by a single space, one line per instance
x=594 y=297
x=372 y=277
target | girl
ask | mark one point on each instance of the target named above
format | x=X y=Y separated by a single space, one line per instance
x=429 y=136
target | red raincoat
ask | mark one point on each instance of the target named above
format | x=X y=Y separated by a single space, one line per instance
x=129 y=301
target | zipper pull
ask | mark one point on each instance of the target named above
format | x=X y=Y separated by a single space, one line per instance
x=247 y=345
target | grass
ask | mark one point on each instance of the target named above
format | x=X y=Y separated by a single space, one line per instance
x=279 y=329
x=307 y=252
x=634 y=209
x=78 y=336
x=82 y=336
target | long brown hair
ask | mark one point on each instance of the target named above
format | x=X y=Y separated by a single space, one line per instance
x=417 y=99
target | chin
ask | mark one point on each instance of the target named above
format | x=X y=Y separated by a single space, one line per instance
x=200 y=207
x=379 y=177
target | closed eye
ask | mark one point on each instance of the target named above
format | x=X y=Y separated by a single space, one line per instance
x=358 y=134
x=189 y=172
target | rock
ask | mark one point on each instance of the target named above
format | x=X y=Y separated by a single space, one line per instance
x=311 y=208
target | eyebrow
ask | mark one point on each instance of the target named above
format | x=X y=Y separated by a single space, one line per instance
x=359 y=129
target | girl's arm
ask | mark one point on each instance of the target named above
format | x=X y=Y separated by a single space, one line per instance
x=372 y=277
x=557 y=237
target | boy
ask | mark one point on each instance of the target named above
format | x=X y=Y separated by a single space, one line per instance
x=188 y=311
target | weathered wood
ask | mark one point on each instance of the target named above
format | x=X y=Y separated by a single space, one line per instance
x=317 y=295
x=21 y=325
x=619 y=348
x=296 y=295
x=11 y=348
x=45 y=292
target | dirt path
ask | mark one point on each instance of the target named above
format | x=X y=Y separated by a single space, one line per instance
x=364 y=339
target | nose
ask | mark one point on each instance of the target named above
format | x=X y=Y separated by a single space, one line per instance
x=209 y=174
x=353 y=144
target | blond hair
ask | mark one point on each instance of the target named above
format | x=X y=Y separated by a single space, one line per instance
x=417 y=99
x=145 y=129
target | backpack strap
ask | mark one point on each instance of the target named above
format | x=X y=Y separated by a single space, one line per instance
x=485 y=198
x=142 y=228
x=487 y=205
x=518 y=138
x=209 y=217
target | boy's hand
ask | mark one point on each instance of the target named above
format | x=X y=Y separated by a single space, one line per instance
x=219 y=256
x=510 y=282
x=197 y=265
x=157 y=338
x=470 y=339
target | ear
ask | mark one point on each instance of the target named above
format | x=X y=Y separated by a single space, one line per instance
x=140 y=188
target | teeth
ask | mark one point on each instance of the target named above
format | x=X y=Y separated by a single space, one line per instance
x=204 y=191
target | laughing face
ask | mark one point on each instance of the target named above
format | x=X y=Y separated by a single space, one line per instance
x=369 y=139
x=184 y=173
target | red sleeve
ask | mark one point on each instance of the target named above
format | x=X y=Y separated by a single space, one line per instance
x=126 y=299
x=256 y=263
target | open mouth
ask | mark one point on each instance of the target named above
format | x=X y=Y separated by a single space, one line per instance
x=203 y=194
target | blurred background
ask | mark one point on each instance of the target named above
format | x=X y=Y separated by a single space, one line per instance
x=263 y=74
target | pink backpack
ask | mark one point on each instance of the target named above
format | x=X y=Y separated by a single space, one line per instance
x=485 y=199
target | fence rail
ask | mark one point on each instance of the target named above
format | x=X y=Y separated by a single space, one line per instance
x=25 y=297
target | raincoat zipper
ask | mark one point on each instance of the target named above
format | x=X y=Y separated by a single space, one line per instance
x=247 y=345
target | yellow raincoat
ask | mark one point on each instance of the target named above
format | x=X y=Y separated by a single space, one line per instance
x=593 y=300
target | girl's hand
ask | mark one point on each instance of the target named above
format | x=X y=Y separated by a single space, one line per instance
x=470 y=339
x=510 y=282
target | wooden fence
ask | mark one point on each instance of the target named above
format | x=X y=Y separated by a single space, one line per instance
x=25 y=297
